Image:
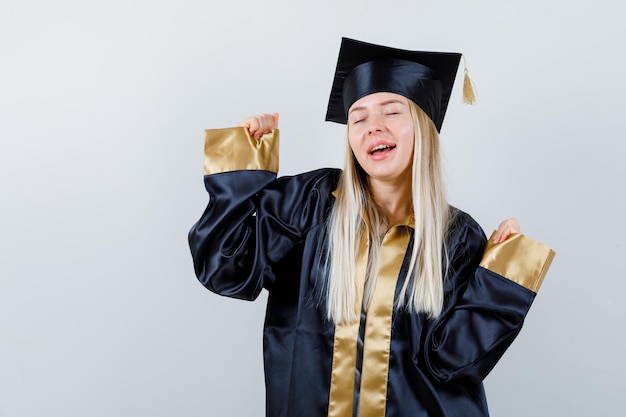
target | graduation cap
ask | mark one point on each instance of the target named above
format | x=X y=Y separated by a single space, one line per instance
x=363 y=68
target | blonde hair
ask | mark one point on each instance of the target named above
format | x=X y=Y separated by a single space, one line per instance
x=355 y=209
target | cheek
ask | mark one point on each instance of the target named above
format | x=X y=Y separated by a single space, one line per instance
x=407 y=136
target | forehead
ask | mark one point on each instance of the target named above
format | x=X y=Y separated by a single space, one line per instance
x=378 y=99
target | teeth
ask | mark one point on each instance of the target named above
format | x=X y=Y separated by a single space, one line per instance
x=379 y=148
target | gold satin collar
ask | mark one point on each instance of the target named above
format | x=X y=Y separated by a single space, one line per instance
x=377 y=339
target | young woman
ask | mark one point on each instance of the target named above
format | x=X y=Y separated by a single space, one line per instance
x=383 y=299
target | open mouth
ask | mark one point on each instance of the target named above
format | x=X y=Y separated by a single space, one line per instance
x=381 y=148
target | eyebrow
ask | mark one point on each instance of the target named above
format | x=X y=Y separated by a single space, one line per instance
x=383 y=104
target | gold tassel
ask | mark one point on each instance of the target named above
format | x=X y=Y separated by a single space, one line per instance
x=468 y=91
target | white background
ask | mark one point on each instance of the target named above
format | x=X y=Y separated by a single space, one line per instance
x=102 y=111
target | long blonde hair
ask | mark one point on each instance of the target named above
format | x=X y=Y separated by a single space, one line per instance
x=422 y=291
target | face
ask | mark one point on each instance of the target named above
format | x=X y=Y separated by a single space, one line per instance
x=381 y=135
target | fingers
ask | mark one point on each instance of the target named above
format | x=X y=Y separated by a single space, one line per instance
x=506 y=228
x=260 y=124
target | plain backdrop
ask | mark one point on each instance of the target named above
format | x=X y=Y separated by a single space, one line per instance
x=102 y=111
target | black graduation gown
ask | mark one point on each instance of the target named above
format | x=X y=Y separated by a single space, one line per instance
x=259 y=232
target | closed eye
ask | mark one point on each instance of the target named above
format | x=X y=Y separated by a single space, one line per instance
x=357 y=121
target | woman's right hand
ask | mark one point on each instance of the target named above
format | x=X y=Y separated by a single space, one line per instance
x=260 y=124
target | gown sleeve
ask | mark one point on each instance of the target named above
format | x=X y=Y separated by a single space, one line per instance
x=253 y=220
x=490 y=289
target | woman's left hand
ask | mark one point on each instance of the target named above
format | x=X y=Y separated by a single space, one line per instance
x=505 y=228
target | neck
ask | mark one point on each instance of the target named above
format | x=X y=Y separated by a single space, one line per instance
x=394 y=199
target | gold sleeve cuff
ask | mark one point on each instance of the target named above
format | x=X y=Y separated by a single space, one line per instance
x=233 y=149
x=520 y=259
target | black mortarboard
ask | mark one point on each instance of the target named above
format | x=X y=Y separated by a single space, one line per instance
x=426 y=78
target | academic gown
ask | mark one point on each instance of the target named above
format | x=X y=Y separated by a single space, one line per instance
x=259 y=232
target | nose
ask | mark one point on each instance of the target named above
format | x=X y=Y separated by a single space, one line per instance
x=374 y=124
